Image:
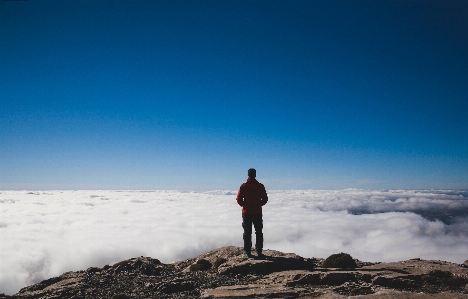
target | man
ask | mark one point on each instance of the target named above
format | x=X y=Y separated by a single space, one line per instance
x=251 y=197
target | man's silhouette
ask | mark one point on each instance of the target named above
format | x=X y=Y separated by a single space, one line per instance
x=251 y=197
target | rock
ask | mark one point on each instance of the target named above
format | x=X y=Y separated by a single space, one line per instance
x=92 y=270
x=251 y=291
x=444 y=278
x=177 y=286
x=354 y=289
x=400 y=282
x=218 y=262
x=201 y=264
x=304 y=278
x=146 y=266
x=339 y=260
x=226 y=273
x=337 y=278
x=273 y=262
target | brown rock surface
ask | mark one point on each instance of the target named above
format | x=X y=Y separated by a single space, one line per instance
x=227 y=273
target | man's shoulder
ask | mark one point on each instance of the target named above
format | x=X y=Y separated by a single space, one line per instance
x=257 y=182
x=253 y=183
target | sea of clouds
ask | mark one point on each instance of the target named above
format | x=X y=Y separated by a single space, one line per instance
x=46 y=233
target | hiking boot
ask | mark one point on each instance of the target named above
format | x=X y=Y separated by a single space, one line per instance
x=247 y=253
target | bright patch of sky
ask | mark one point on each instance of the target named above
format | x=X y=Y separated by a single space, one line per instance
x=188 y=95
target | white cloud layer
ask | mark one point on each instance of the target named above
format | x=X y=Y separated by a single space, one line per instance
x=44 y=234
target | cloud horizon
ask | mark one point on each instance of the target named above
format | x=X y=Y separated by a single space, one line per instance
x=44 y=229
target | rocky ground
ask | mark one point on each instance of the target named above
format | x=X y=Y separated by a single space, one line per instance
x=227 y=273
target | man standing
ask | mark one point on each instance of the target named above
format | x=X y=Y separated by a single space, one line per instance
x=251 y=197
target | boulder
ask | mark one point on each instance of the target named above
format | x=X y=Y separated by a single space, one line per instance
x=339 y=260
x=272 y=262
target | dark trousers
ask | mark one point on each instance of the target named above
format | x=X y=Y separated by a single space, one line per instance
x=257 y=221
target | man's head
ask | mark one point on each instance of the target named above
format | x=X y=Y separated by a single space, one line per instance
x=252 y=173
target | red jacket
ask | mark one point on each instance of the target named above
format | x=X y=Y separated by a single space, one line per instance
x=251 y=197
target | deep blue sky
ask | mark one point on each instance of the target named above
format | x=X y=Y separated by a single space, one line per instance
x=190 y=94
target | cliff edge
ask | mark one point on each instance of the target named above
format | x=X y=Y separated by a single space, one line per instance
x=227 y=273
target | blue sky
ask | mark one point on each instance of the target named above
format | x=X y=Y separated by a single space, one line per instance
x=190 y=94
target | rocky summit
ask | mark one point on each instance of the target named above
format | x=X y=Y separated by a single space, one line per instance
x=227 y=273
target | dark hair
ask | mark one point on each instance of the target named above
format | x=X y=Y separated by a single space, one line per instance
x=252 y=173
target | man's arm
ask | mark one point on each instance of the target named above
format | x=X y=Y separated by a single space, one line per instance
x=240 y=197
x=264 y=196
